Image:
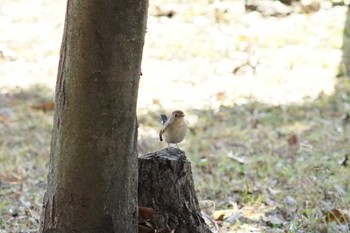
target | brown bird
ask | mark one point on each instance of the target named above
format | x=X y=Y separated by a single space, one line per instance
x=174 y=129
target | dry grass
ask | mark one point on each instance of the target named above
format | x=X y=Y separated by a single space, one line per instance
x=253 y=155
x=24 y=148
x=257 y=155
x=266 y=113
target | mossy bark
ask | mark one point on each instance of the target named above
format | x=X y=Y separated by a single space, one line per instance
x=92 y=181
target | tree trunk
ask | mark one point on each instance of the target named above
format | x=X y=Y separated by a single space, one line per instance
x=166 y=185
x=92 y=181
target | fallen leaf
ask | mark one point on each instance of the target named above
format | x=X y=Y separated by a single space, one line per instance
x=234 y=217
x=207 y=206
x=344 y=161
x=6 y=114
x=163 y=13
x=148 y=224
x=45 y=107
x=254 y=123
x=240 y=159
x=220 y=96
x=146 y=212
x=338 y=216
x=293 y=140
x=289 y=201
x=155 y=101
x=210 y=222
x=273 y=220
x=346 y=119
x=145 y=229
x=221 y=215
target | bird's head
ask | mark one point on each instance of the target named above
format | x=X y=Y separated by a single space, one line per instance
x=177 y=115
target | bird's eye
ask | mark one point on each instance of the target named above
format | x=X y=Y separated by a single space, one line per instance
x=176 y=115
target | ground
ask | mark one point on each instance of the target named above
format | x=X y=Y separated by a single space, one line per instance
x=266 y=106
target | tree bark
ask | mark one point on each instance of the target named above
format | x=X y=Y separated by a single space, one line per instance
x=166 y=185
x=92 y=181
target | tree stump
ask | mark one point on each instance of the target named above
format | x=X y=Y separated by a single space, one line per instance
x=166 y=185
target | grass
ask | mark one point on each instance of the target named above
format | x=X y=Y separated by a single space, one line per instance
x=256 y=155
x=24 y=149
x=276 y=164
x=308 y=169
x=253 y=155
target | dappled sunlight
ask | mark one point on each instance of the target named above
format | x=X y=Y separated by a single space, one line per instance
x=268 y=112
x=191 y=60
x=31 y=33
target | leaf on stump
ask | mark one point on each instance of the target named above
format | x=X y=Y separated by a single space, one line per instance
x=146 y=212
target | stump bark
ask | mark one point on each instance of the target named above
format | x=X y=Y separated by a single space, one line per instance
x=166 y=185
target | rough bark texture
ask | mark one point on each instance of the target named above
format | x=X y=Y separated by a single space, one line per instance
x=166 y=185
x=92 y=181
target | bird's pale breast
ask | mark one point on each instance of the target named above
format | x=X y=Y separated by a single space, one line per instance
x=175 y=133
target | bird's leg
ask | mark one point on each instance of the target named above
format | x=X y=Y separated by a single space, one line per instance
x=177 y=146
x=168 y=145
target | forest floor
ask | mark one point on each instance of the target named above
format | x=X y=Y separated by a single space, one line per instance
x=268 y=116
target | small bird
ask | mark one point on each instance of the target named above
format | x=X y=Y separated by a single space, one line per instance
x=174 y=129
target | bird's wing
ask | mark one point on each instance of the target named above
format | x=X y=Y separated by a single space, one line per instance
x=160 y=136
x=164 y=128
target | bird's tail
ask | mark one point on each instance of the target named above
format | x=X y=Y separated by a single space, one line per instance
x=164 y=118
